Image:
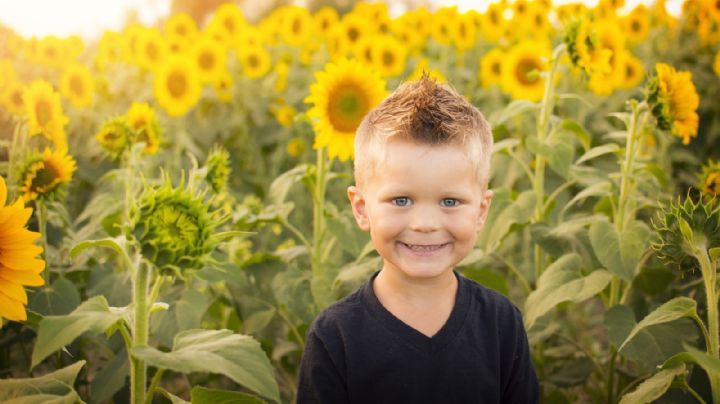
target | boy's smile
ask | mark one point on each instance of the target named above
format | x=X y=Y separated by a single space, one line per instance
x=423 y=207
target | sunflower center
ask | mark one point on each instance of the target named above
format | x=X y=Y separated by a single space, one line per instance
x=77 y=86
x=353 y=34
x=177 y=84
x=43 y=112
x=44 y=178
x=181 y=30
x=635 y=26
x=177 y=226
x=348 y=105
x=229 y=25
x=388 y=59
x=207 y=61
x=152 y=51
x=253 y=61
x=495 y=67
x=16 y=98
x=525 y=66
x=296 y=26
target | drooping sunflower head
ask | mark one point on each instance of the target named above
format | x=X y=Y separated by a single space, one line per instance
x=174 y=228
x=584 y=48
x=343 y=93
x=142 y=120
x=672 y=244
x=116 y=137
x=674 y=101
x=709 y=179
x=218 y=169
x=177 y=85
x=19 y=264
x=45 y=175
x=77 y=85
x=44 y=111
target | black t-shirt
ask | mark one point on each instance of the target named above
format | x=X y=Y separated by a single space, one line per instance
x=358 y=352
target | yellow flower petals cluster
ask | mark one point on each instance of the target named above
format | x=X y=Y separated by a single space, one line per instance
x=343 y=93
x=77 y=85
x=45 y=175
x=19 y=262
x=45 y=114
x=674 y=101
x=177 y=85
x=522 y=67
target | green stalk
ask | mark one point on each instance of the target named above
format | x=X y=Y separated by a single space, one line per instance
x=138 y=368
x=318 y=271
x=547 y=106
x=713 y=343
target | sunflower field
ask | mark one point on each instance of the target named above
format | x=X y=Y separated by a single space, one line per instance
x=173 y=212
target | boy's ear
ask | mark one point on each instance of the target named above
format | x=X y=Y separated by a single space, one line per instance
x=357 y=201
x=484 y=208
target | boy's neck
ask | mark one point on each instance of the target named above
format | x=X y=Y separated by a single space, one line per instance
x=394 y=286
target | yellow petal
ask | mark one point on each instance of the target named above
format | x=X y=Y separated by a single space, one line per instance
x=11 y=309
x=27 y=278
x=21 y=236
x=3 y=192
x=15 y=215
x=22 y=264
x=13 y=291
x=21 y=251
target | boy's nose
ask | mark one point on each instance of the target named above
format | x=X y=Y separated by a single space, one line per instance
x=424 y=220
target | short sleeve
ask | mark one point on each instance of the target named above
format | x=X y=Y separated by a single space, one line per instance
x=522 y=385
x=320 y=381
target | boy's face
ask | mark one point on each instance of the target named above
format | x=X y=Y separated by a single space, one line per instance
x=423 y=207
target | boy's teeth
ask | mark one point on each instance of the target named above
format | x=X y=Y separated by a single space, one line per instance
x=424 y=247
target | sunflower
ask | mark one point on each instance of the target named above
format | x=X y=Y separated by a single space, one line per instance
x=7 y=75
x=710 y=179
x=637 y=24
x=388 y=56
x=153 y=49
x=493 y=22
x=19 y=264
x=284 y=114
x=282 y=69
x=210 y=58
x=521 y=68
x=141 y=118
x=223 y=86
x=12 y=99
x=568 y=11
x=132 y=37
x=296 y=146
x=51 y=51
x=218 y=169
x=353 y=27
x=296 y=26
x=181 y=25
x=584 y=48
x=45 y=115
x=445 y=25
x=709 y=29
x=116 y=137
x=338 y=45
x=634 y=71
x=77 y=85
x=674 y=101
x=45 y=175
x=325 y=18
x=109 y=50
x=465 y=32
x=177 y=85
x=491 y=66
x=256 y=61
x=343 y=93
x=230 y=20
x=536 y=21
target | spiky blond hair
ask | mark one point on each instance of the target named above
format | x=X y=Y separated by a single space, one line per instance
x=423 y=112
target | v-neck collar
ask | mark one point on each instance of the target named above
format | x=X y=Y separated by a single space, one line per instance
x=427 y=345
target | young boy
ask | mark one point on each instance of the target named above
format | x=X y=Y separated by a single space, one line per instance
x=417 y=331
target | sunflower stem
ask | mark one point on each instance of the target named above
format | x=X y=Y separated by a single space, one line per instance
x=713 y=344
x=138 y=368
x=319 y=287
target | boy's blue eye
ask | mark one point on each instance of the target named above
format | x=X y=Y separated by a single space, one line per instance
x=449 y=202
x=401 y=201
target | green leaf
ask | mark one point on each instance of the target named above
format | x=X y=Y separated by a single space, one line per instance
x=653 y=280
x=515 y=108
x=236 y=356
x=55 y=387
x=171 y=397
x=655 y=344
x=597 y=152
x=488 y=278
x=117 y=244
x=671 y=310
x=57 y=331
x=693 y=355
x=557 y=149
x=281 y=185
x=597 y=189
x=185 y=314
x=202 y=395
x=578 y=130
x=562 y=282
x=518 y=212
x=654 y=387
x=505 y=144
x=619 y=254
x=111 y=378
x=57 y=299
x=619 y=321
x=258 y=321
